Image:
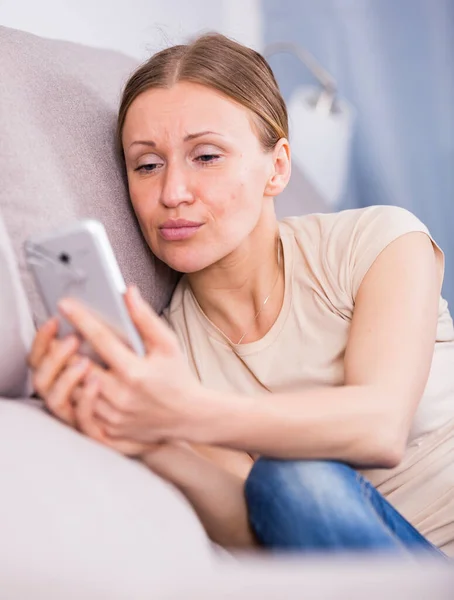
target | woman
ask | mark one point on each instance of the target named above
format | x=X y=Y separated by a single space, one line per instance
x=295 y=403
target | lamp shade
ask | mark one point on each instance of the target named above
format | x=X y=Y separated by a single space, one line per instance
x=321 y=141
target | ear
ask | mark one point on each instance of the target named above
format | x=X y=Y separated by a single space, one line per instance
x=281 y=169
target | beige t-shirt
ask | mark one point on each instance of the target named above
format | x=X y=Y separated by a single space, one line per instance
x=326 y=257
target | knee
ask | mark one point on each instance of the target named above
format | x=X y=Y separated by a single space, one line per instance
x=315 y=484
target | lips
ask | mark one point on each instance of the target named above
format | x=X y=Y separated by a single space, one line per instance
x=178 y=229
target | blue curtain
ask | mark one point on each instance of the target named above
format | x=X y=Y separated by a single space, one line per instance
x=394 y=61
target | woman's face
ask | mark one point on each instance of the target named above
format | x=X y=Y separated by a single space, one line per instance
x=197 y=173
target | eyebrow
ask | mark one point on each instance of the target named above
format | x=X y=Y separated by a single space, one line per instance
x=189 y=137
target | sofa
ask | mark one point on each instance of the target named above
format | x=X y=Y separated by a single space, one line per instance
x=78 y=520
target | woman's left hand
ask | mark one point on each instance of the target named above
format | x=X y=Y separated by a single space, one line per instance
x=145 y=400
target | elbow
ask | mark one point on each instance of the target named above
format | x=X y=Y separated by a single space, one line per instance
x=390 y=457
x=386 y=447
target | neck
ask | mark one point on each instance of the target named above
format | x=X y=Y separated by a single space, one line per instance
x=232 y=291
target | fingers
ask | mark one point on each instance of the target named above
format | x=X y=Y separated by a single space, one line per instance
x=52 y=380
x=87 y=415
x=111 y=418
x=115 y=405
x=44 y=336
x=109 y=407
x=126 y=447
x=84 y=409
x=152 y=329
x=104 y=341
x=113 y=392
x=85 y=398
x=52 y=362
x=58 y=400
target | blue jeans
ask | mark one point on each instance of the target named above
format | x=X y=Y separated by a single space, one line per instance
x=316 y=505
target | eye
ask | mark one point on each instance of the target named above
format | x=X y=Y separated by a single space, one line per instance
x=148 y=168
x=207 y=158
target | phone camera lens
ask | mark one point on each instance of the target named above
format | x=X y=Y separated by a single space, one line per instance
x=65 y=258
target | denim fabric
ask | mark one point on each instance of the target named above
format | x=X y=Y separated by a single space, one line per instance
x=312 y=505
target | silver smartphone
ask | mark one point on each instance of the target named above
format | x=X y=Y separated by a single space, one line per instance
x=78 y=261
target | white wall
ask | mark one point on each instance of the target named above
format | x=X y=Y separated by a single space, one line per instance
x=135 y=27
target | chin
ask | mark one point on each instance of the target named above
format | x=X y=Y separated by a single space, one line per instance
x=185 y=262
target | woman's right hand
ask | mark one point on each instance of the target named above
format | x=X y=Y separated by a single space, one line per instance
x=57 y=370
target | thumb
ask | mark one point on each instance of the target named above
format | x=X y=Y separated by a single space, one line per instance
x=152 y=329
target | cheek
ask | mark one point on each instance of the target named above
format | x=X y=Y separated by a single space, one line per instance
x=143 y=200
x=229 y=201
x=245 y=196
x=145 y=210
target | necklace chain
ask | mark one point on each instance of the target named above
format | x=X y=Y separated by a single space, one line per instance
x=261 y=308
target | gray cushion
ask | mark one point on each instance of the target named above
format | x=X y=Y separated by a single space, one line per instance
x=71 y=510
x=77 y=513
x=58 y=105
x=16 y=325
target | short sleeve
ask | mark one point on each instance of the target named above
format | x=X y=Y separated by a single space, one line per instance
x=362 y=234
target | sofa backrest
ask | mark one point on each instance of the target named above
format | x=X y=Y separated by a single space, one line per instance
x=58 y=105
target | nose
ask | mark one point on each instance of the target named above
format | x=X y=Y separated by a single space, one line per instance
x=176 y=188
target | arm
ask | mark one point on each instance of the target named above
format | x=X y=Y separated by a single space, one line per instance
x=366 y=421
x=212 y=479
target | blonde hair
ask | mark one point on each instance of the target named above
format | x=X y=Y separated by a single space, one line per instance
x=217 y=62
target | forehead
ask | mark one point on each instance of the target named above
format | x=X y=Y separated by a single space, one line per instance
x=185 y=108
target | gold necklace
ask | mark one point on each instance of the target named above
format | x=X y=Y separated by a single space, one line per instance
x=261 y=308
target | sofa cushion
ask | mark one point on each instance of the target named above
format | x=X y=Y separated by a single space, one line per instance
x=16 y=324
x=58 y=105
x=71 y=510
x=75 y=512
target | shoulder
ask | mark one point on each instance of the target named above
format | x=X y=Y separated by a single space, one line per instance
x=344 y=245
x=342 y=224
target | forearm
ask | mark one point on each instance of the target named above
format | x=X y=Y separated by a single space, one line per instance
x=216 y=494
x=348 y=423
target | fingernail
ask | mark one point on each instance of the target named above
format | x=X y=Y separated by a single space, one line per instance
x=50 y=322
x=65 y=306
x=135 y=294
x=69 y=342
x=81 y=364
x=92 y=380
